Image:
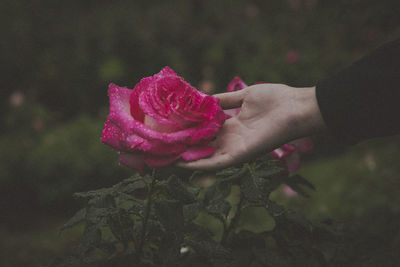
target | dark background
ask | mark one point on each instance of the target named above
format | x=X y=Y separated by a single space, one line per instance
x=57 y=58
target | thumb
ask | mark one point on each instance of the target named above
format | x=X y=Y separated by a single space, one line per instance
x=231 y=99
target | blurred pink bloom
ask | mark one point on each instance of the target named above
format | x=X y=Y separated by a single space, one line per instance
x=252 y=11
x=38 y=124
x=294 y=4
x=17 y=98
x=310 y=4
x=292 y=57
x=236 y=84
x=206 y=86
x=372 y=35
x=289 y=192
x=290 y=153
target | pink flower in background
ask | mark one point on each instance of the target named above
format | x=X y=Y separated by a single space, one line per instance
x=236 y=84
x=17 y=98
x=292 y=57
x=161 y=120
x=289 y=192
x=289 y=154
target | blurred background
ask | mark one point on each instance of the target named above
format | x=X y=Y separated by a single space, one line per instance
x=58 y=57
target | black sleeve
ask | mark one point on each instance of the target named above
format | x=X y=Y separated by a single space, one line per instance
x=363 y=100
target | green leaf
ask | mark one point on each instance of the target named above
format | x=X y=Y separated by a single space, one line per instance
x=127 y=186
x=274 y=209
x=130 y=188
x=247 y=240
x=294 y=183
x=251 y=187
x=137 y=208
x=195 y=174
x=217 y=191
x=170 y=245
x=272 y=258
x=298 y=179
x=295 y=187
x=179 y=191
x=219 y=207
x=121 y=225
x=92 y=194
x=170 y=214
x=268 y=171
x=228 y=171
x=214 y=252
x=191 y=211
x=76 y=219
x=104 y=201
x=90 y=239
x=98 y=216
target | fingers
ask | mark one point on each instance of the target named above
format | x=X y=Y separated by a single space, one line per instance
x=232 y=99
x=215 y=162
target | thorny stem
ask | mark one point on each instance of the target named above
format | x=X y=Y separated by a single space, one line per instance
x=146 y=213
x=234 y=220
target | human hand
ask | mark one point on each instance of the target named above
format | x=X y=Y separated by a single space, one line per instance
x=270 y=116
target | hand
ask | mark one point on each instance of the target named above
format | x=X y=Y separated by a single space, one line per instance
x=270 y=116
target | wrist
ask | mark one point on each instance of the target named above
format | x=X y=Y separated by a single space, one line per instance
x=307 y=115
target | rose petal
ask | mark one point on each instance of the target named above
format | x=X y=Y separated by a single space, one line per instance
x=160 y=161
x=135 y=109
x=133 y=141
x=148 y=109
x=112 y=135
x=288 y=147
x=156 y=147
x=194 y=153
x=283 y=151
x=133 y=160
x=119 y=99
x=161 y=127
x=289 y=192
x=304 y=145
x=166 y=71
x=188 y=136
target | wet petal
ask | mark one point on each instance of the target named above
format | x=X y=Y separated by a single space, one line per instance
x=112 y=135
x=156 y=147
x=133 y=160
x=160 y=161
x=166 y=71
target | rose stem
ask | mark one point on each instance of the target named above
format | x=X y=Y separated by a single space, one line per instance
x=147 y=212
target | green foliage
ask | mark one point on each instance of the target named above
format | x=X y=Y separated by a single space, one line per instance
x=44 y=166
x=151 y=220
x=61 y=55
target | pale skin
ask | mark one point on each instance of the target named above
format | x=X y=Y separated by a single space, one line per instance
x=270 y=115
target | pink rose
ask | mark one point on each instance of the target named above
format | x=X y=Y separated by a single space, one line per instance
x=289 y=154
x=292 y=57
x=161 y=120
